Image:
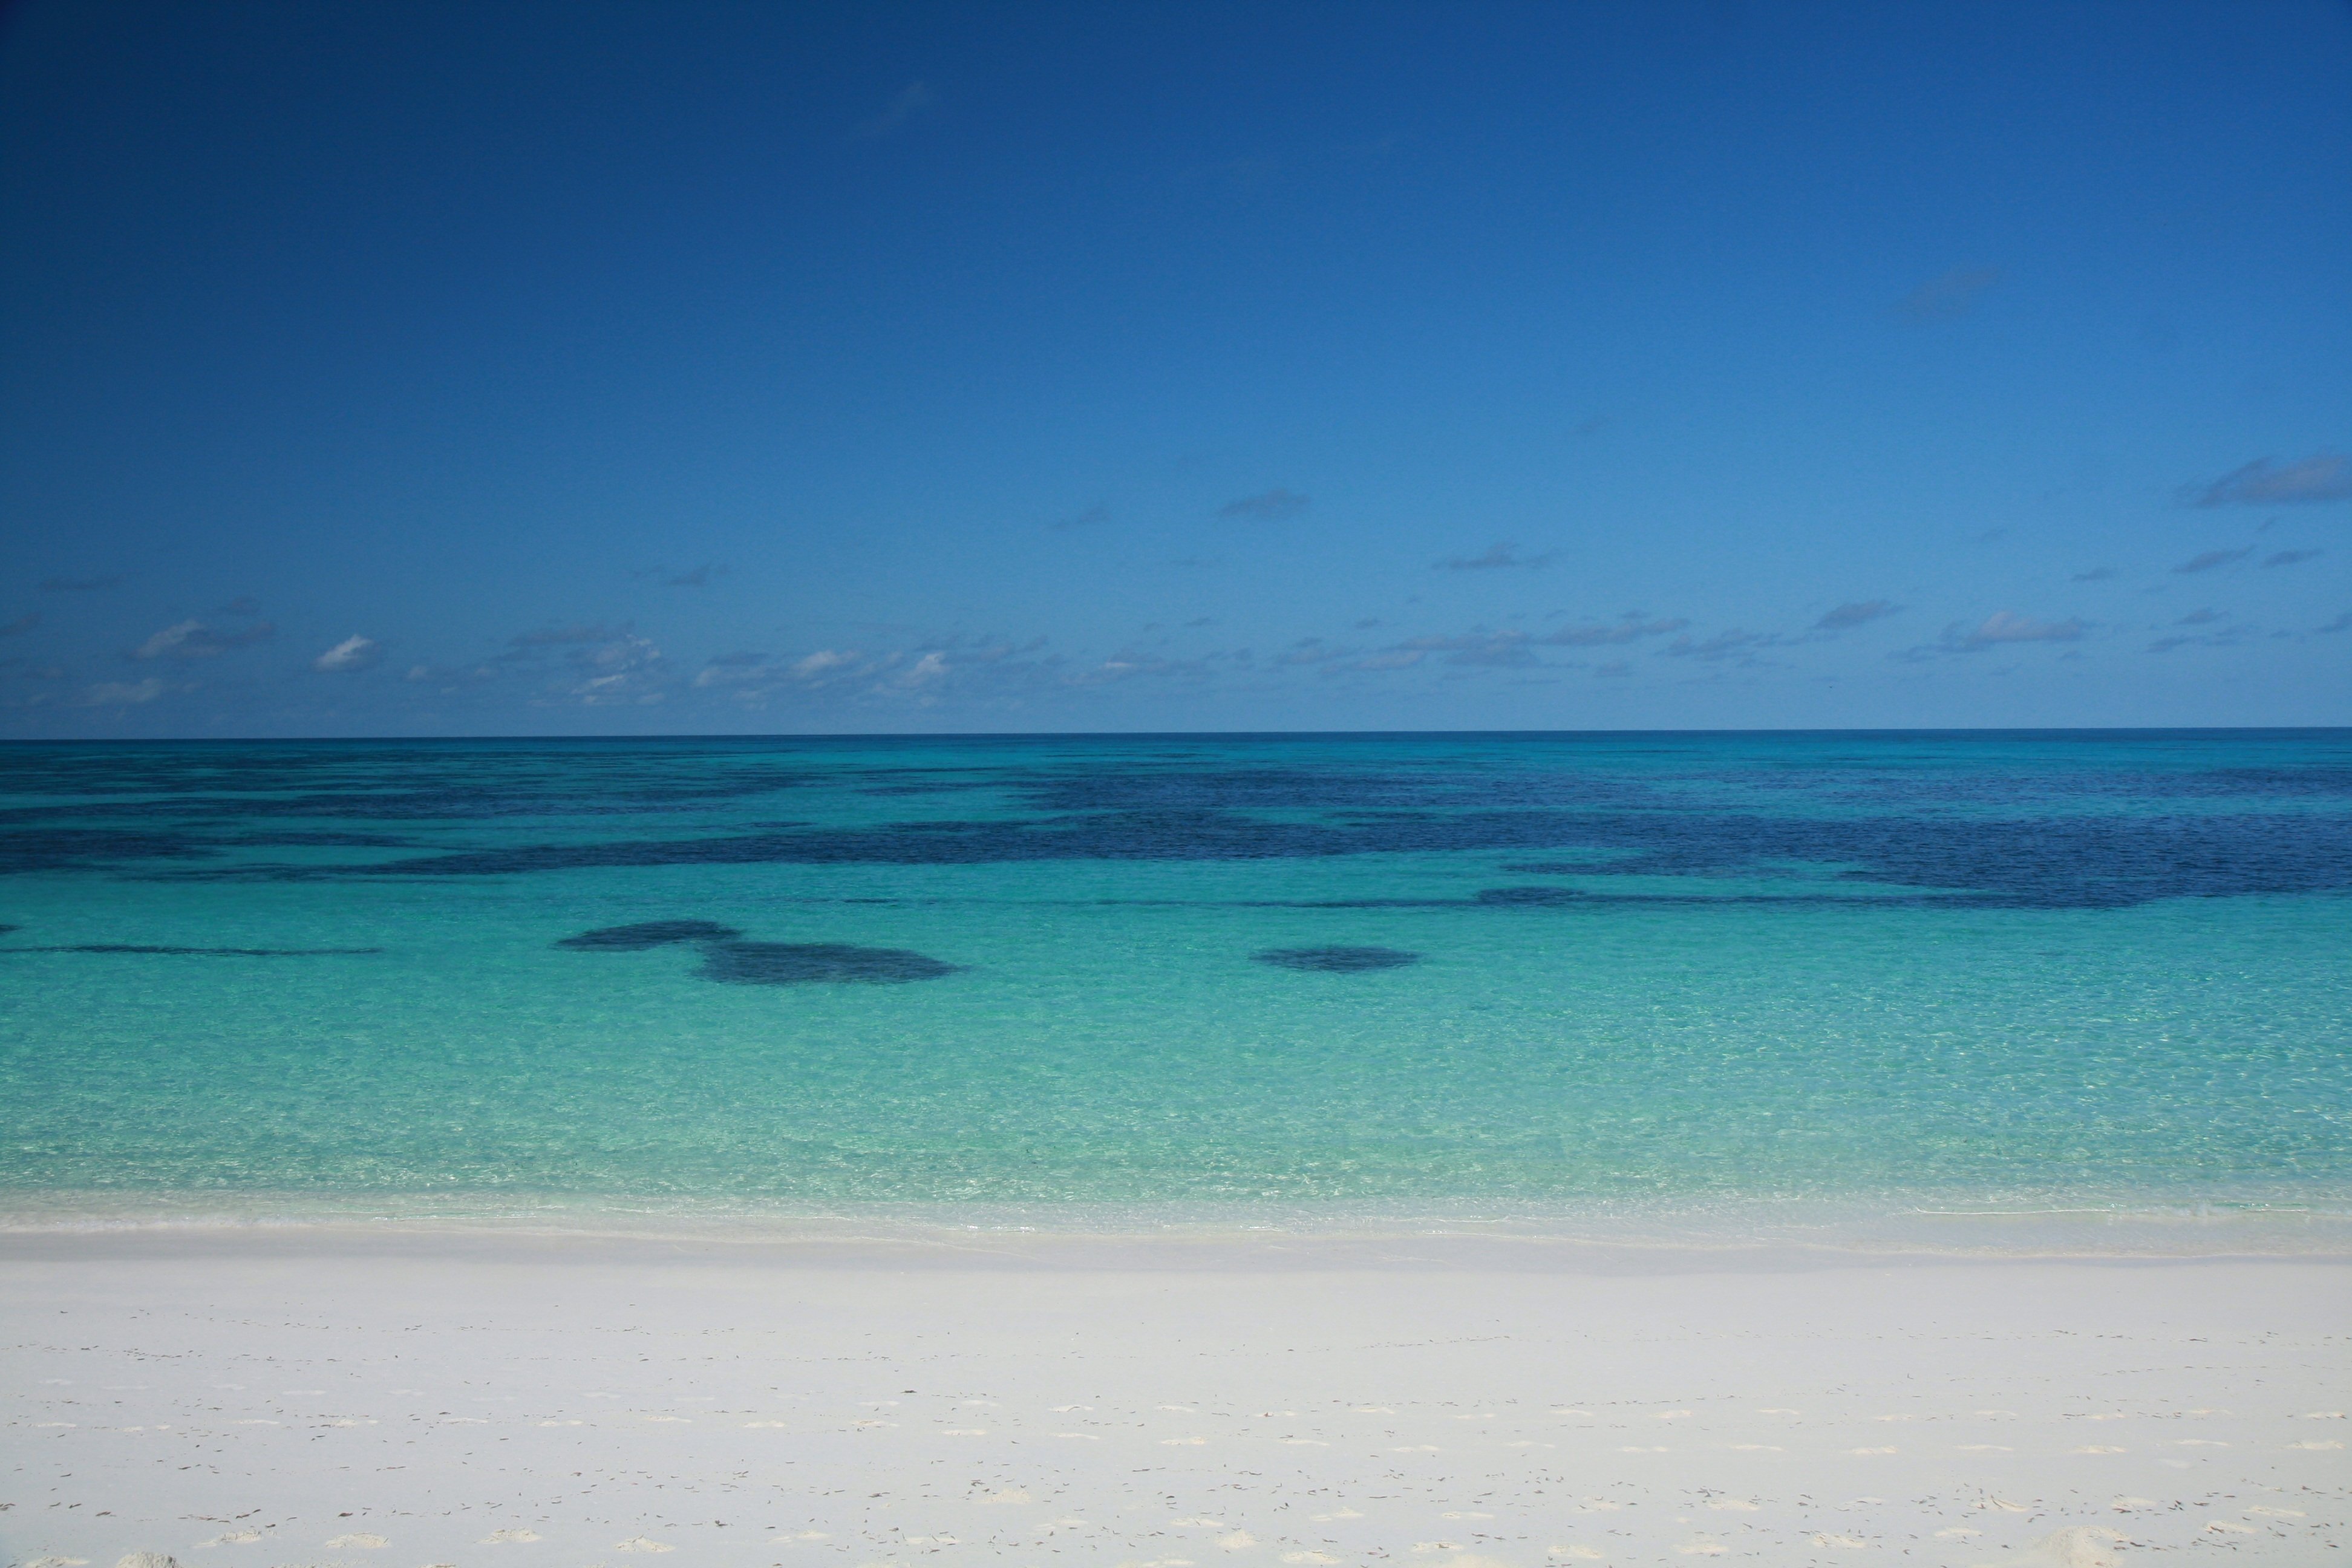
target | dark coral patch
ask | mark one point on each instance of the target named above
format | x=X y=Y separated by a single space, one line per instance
x=1528 y=897
x=649 y=933
x=1336 y=960
x=816 y=964
x=141 y=947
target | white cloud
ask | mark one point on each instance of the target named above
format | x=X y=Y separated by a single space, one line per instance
x=169 y=640
x=193 y=640
x=119 y=693
x=1998 y=629
x=626 y=668
x=354 y=652
x=823 y=659
x=2002 y=626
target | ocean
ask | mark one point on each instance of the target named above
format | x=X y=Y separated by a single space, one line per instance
x=2006 y=990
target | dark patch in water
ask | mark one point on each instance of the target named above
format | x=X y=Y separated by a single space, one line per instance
x=2057 y=863
x=816 y=964
x=200 y=951
x=74 y=849
x=1996 y=820
x=1336 y=960
x=649 y=933
x=1528 y=897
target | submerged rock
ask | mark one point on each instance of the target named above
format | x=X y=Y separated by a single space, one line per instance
x=1527 y=898
x=1336 y=960
x=649 y=933
x=816 y=964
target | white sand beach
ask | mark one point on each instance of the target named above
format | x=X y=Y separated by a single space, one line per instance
x=310 y=1397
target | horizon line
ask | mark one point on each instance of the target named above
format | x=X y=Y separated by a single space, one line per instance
x=1983 y=730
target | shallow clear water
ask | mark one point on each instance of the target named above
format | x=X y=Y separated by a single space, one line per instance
x=1654 y=979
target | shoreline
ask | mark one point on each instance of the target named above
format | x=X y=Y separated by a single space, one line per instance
x=1037 y=1252
x=1130 y=1236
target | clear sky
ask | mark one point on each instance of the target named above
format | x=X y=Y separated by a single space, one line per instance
x=494 y=368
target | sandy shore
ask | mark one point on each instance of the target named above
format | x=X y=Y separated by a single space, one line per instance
x=314 y=1397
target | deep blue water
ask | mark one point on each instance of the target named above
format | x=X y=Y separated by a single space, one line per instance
x=1596 y=980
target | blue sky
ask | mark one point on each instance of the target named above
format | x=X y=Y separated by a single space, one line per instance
x=511 y=368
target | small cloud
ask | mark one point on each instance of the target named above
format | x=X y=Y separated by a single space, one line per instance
x=353 y=653
x=1845 y=617
x=1199 y=621
x=1095 y=514
x=1733 y=644
x=450 y=680
x=734 y=669
x=608 y=664
x=193 y=640
x=80 y=585
x=1613 y=669
x=19 y=626
x=996 y=650
x=2211 y=559
x=624 y=667
x=1502 y=555
x=1272 y=506
x=2322 y=477
x=2095 y=575
x=121 y=693
x=2342 y=623
x=930 y=668
x=242 y=605
x=1367 y=624
x=1492 y=650
x=1310 y=650
x=2293 y=557
x=1948 y=296
x=2222 y=639
x=1632 y=628
x=822 y=660
x=701 y=577
x=2002 y=626
x=1504 y=650
x=905 y=104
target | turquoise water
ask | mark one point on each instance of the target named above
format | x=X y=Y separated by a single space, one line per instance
x=1629 y=981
